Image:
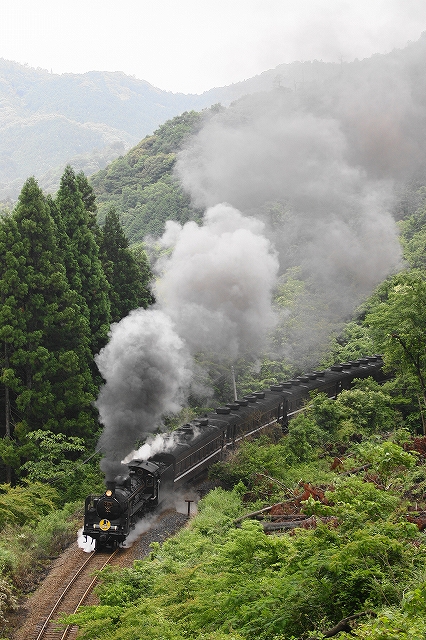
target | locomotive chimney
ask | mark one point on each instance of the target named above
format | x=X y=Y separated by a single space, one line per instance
x=110 y=486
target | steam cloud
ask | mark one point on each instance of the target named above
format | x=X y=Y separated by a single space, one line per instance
x=147 y=371
x=214 y=294
x=305 y=165
x=291 y=180
x=217 y=284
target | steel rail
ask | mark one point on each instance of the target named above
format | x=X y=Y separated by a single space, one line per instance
x=67 y=590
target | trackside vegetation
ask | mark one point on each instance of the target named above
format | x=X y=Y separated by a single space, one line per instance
x=349 y=477
x=222 y=576
x=310 y=534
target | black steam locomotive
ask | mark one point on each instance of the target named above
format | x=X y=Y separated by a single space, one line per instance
x=192 y=448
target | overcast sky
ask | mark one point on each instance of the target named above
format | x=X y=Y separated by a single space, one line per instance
x=193 y=45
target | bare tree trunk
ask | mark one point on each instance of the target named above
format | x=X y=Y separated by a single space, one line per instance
x=344 y=625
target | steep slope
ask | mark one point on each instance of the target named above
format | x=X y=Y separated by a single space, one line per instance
x=141 y=186
x=48 y=120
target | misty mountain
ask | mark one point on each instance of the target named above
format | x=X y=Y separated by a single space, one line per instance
x=360 y=124
x=325 y=165
x=48 y=120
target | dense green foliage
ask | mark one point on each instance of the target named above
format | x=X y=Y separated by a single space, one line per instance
x=63 y=280
x=140 y=185
x=81 y=256
x=54 y=316
x=219 y=579
x=45 y=339
x=223 y=577
x=128 y=281
x=88 y=119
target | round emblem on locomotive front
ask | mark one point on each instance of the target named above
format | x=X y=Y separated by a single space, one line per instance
x=104 y=525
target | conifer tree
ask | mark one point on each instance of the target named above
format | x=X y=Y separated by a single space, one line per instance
x=12 y=332
x=128 y=285
x=81 y=255
x=89 y=201
x=45 y=338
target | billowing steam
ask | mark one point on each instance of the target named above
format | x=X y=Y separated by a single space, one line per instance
x=214 y=294
x=289 y=159
x=298 y=187
x=147 y=371
x=217 y=285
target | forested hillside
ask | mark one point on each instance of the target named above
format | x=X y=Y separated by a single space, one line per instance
x=48 y=120
x=314 y=534
x=295 y=225
x=63 y=281
x=141 y=185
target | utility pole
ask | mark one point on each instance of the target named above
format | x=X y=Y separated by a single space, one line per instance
x=233 y=383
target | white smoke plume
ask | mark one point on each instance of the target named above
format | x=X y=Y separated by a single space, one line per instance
x=217 y=284
x=147 y=370
x=290 y=160
x=154 y=444
x=143 y=525
x=86 y=543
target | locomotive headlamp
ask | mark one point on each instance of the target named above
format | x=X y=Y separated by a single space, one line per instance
x=108 y=493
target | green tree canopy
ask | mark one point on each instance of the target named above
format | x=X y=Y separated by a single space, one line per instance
x=398 y=324
x=128 y=284
x=45 y=337
x=413 y=237
x=141 y=186
x=81 y=252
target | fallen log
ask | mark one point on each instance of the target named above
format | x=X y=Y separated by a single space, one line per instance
x=260 y=511
x=343 y=625
x=290 y=524
x=356 y=470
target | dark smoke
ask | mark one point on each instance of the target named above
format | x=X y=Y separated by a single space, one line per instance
x=147 y=373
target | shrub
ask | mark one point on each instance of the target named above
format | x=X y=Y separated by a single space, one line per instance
x=25 y=504
x=56 y=530
x=8 y=600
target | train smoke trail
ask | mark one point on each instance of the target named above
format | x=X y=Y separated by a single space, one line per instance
x=318 y=168
x=214 y=294
x=217 y=284
x=296 y=165
x=147 y=370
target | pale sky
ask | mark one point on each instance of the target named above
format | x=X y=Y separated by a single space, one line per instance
x=191 y=46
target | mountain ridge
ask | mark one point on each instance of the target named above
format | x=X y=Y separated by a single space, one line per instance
x=88 y=120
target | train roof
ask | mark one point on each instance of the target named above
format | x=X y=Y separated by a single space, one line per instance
x=193 y=434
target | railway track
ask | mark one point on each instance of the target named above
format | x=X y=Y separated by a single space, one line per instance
x=75 y=593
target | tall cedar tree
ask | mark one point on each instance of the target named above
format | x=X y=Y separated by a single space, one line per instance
x=13 y=289
x=45 y=336
x=89 y=200
x=128 y=283
x=81 y=255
